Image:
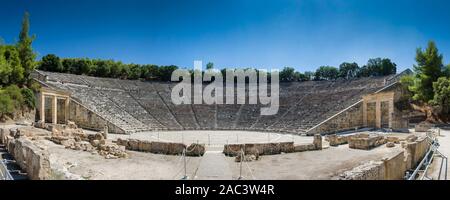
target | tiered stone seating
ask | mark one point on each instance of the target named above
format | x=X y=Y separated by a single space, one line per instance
x=137 y=105
x=206 y=116
x=105 y=107
x=126 y=102
x=151 y=101
x=183 y=113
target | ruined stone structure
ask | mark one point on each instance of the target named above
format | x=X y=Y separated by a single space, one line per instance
x=53 y=106
x=393 y=167
x=127 y=106
x=374 y=110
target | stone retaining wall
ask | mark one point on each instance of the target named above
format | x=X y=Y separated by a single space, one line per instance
x=271 y=148
x=391 y=168
x=88 y=119
x=168 y=148
x=365 y=141
x=29 y=157
x=349 y=119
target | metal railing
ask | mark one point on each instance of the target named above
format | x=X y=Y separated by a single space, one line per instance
x=429 y=157
x=4 y=172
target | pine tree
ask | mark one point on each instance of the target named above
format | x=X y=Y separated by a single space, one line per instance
x=428 y=69
x=26 y=54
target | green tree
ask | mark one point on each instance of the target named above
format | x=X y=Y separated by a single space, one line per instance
x=348 y=70
x=83 y=66
x=5 y=67
x=447 y=71
x=28 y=98
x=287 y=74
x=309 y=75
x=6 y=105
x=15 y=93
x=165 y=72
x=116 y=69
x=326 y=73
x=103 y=68
x=378 y=67
x=150 y=72
x=441 y=96
x=210 y=65
x=51 y=63
x=298 y=76
x=135 y=71
x=11 y=71
x=26 y=54
x=428 y=70
x=69 y=65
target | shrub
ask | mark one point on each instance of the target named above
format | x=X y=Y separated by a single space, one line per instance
x=14 y=92
x=6 y=105
x=442 y=94
x=28 y=97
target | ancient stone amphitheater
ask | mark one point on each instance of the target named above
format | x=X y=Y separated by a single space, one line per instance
x=135 y=106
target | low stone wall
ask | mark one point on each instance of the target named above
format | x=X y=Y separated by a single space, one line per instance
x=391 y=168
x=416 y=150
x=28 y=156
x=365 y=141
x=336 y=140
x=167 y=148
x=373 y=170
x=395 y=167
x=271 y=148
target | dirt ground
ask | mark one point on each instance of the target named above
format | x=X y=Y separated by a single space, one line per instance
x=324 y=164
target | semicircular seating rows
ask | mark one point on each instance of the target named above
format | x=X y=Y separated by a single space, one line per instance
x=135 y=105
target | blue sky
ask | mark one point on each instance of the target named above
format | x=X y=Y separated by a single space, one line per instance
x=248 y=33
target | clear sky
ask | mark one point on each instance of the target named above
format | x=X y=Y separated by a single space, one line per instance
x=248 y=33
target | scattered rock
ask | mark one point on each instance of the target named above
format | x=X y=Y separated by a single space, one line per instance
x=390 y=144
x=195 y=150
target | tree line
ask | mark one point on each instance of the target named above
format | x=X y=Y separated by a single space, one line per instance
x=117 y=69
x=346 y=70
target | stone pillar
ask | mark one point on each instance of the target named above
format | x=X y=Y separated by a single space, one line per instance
x=364 y=112
x=42 y=108
x=54 y=110
x=391 y=112
x=378 y=113
x=66 y=109
x=317 y=141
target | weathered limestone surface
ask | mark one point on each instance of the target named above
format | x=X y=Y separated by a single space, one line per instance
x=366 y=142
x=390 y=168
x=368 y=171
x=336 y=140
x=167 y=148
x=75 y=138
x=88 y=119
x=347 y=120
x=423 y=127
x=258 y=149
x=195 y=150
x=29 y=157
